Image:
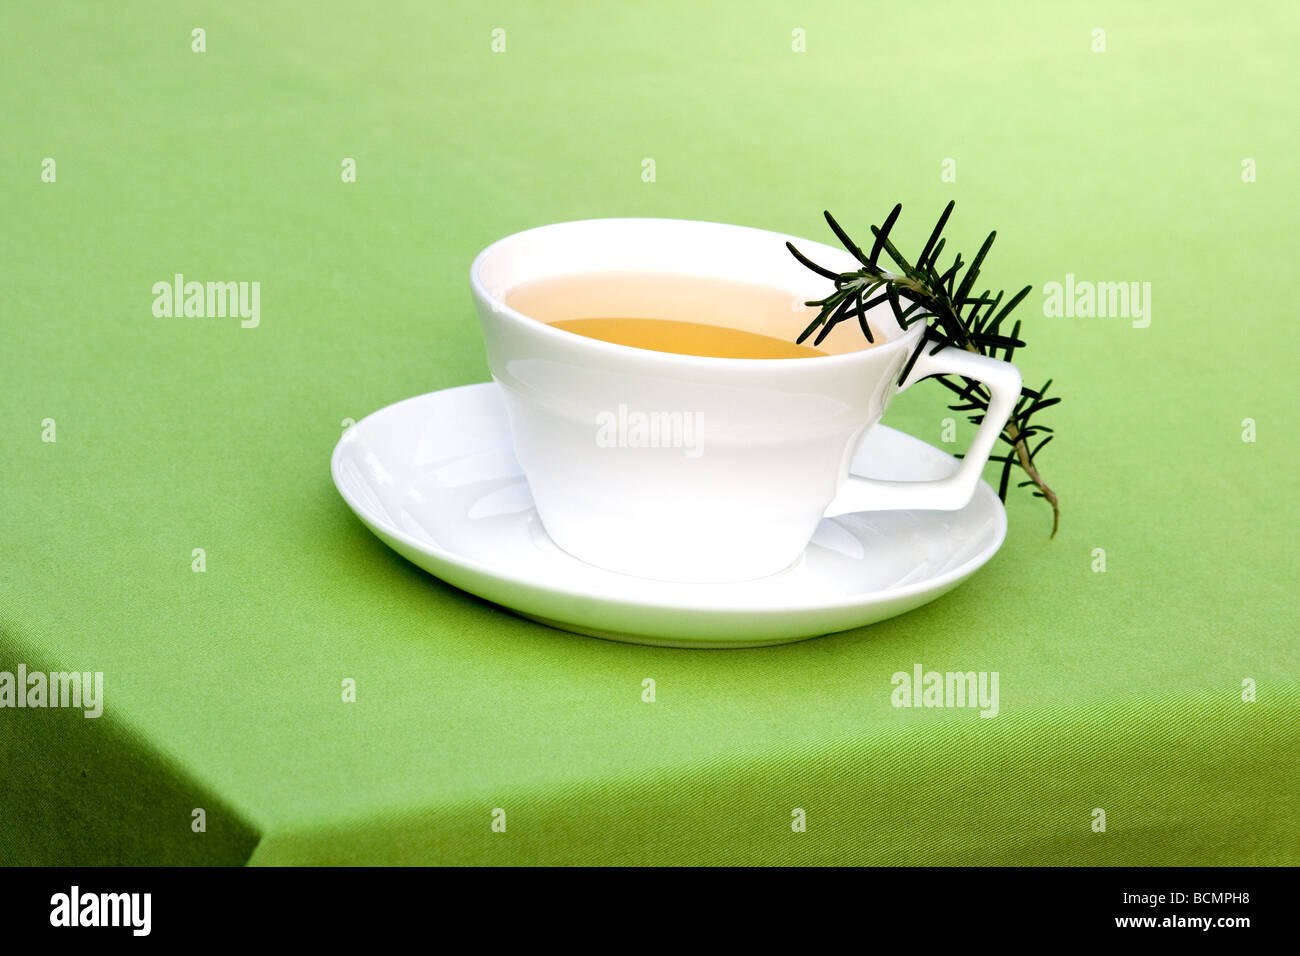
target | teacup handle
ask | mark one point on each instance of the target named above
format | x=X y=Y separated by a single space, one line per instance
x=955 y=491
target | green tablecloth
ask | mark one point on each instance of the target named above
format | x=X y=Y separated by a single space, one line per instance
x=1120 y=690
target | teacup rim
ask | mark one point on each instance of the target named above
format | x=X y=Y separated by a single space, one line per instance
x=907 y=336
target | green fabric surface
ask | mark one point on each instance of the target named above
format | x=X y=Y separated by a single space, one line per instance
x=1119 y=690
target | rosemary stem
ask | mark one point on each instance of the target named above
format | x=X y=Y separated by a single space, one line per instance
x=1012 y=434
x=956 y=317
x=1022 y=453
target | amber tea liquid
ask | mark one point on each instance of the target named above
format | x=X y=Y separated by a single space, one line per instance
x=688 y=315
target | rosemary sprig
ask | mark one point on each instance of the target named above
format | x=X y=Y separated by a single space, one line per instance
x=945 y=299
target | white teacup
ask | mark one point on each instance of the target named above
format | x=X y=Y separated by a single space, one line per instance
x=766 y=443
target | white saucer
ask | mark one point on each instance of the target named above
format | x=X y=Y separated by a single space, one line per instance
x=436 y=479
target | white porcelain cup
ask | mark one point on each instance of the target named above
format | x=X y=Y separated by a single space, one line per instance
x=759 y=450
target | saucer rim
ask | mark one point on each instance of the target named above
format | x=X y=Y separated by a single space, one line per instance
x=939 y=585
